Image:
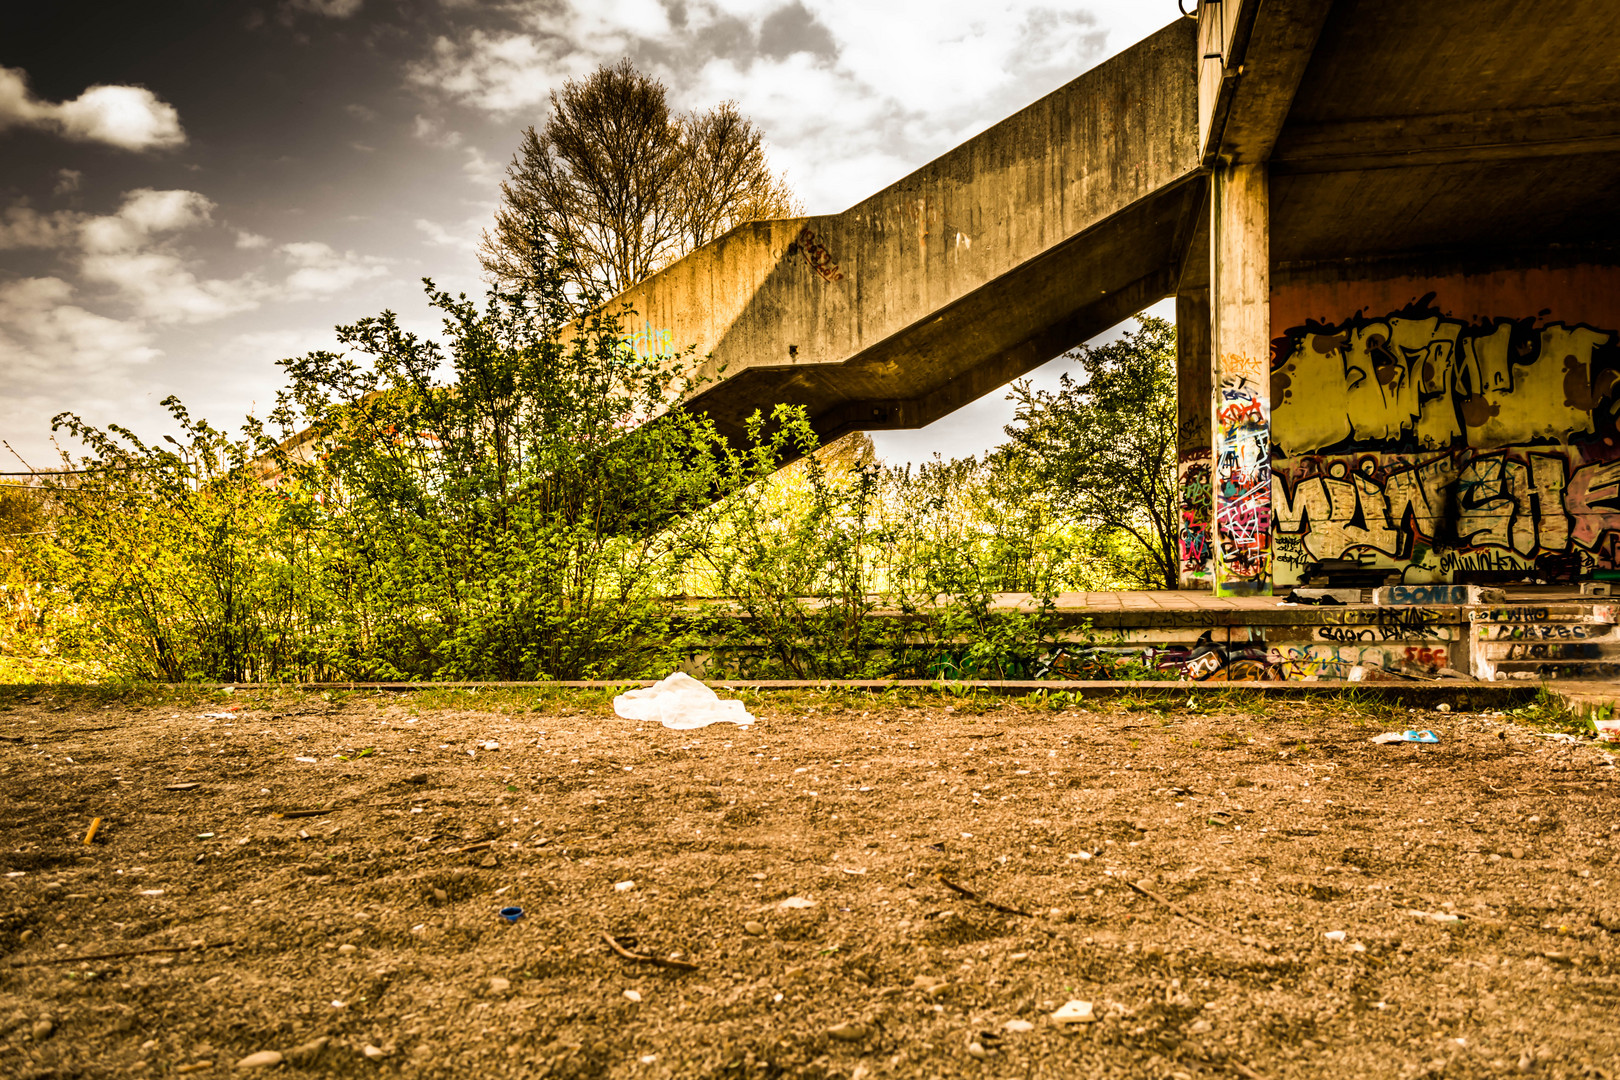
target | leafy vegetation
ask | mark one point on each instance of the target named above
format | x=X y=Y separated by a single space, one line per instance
x=515 y=501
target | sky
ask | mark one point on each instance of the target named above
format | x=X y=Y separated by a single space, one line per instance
x=192 y=190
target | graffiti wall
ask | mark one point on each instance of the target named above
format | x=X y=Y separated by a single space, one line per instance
x=1449 y=442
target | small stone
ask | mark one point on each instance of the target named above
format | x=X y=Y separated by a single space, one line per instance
x=41 y=1030
x=417 y=778
x=498 y=985
x=1075 y=1012
x=440 y=895
x=632 y=996
x=488 y=861
x=26 y=936
x=977 y=1050
x=264 y=1059
x=373 y=1053
x=623 y=886
x=925 y=982
x=1442 y=707
x=753 y=927
x=1335 y=935
x=347 y=950
x=307 y=1052
x=796 y=903
x=1018 y=1025
x=849 y=1032
x=1517 y=853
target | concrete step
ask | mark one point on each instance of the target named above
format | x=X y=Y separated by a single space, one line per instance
x=1548 y=650
x=1549 y=613
x=1552 y=669
x=1548 y=632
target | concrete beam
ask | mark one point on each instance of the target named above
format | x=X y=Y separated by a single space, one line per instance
x=1450 y=138
x=1253 y=59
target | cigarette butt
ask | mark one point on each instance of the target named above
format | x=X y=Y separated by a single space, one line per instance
x=95 y=827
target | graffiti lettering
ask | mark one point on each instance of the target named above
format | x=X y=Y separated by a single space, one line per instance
x=816 y=255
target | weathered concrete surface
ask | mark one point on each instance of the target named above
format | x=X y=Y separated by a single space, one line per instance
x=1044 y=230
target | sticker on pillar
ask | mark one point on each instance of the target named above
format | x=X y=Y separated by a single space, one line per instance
x=1196 y=498
x=1242 y=477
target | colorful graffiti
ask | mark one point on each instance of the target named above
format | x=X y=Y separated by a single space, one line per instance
x=1197 y=496
x=648 y=342
x=1446 y=449
x=1242 y=477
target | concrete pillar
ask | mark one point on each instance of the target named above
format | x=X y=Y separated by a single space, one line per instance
x=1193 y=441
x=1240 y=320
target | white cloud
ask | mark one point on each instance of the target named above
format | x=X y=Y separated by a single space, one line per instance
x=465 y=237
x=250 y=241
x=322 y=271
x=129 y=252
x=130 y=117
x=58 y=352
x=332 y=9
x=435 y=133
x=67 y=181
x=21 y=226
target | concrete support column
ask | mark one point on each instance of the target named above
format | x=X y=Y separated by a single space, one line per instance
x=1240 y=320
x=1193 y=440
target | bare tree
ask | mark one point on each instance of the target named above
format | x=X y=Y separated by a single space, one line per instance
x=618 y=186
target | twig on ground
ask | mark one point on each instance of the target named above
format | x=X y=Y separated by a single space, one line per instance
x=299 y=813
x=645 y=958
x=1178 y=910
x=1244 y=1071
x=49 y=961
x=971 y=895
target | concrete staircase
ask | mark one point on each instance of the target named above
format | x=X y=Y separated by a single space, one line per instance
x=1563 y=640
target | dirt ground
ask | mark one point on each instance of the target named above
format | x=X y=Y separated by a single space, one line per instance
x=1238 y=890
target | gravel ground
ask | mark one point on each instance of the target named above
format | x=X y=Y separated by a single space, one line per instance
x=855 y=886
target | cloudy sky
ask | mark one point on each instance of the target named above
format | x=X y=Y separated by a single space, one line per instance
x=191 y=190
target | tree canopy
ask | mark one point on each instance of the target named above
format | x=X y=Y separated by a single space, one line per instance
x=1105 y=445
x=618 y=185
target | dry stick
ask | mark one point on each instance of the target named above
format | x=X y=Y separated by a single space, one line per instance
x=300 y=813
x=1177 y=909
x=971 y=895
x=643 y=958
x=119 y=955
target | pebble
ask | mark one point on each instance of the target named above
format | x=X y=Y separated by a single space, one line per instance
x=488 y=861
x=347 y=950
x=307 y=1052
x=374 y=1053
x=977 y=1050
x=498 y=985
x=796 y=903
x=632 y=996
x=1442 y=707
x=849 y=1032
x=440 y=895
x=1018 y=1025
x=754 y=927
x=623 y=886
x=1335 y=935
x=42 y=1030
x=1517 y=853
x=264 y=1059
x=26 y=936
x=1075 y=1012
x=417 y=778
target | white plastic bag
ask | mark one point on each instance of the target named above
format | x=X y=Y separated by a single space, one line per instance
x=680 y=702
